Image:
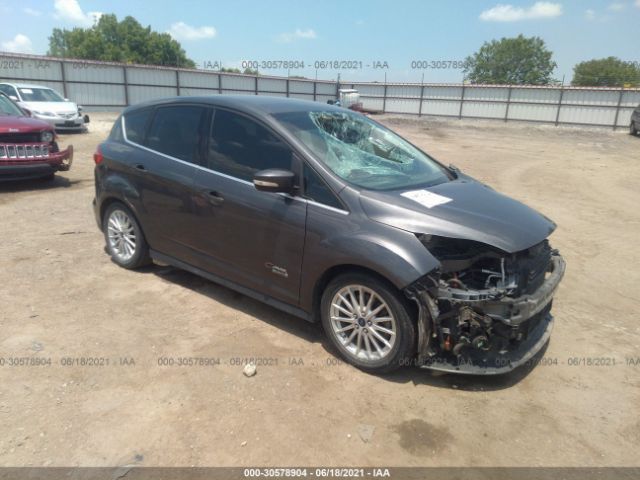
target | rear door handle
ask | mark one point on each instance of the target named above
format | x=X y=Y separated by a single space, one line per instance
x=214 y=198
x=140 y=167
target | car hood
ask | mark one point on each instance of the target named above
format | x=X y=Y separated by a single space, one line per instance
x=471 y=211
x=14 y=124
x=55 y=107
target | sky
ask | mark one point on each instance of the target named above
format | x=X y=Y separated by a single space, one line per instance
x=400 y=40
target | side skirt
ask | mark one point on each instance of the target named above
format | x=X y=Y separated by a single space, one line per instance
x=285 y=307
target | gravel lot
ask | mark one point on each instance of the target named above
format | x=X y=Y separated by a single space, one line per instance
x=62 y=299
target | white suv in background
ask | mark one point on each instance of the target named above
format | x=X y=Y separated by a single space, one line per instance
x=47 y=104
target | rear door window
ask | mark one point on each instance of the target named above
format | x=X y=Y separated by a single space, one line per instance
x=136 y=123
x=177 y=131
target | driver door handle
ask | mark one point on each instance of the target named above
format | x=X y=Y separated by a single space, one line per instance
x=214 y=198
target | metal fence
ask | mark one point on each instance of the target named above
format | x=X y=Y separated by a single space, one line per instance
x=112 y=86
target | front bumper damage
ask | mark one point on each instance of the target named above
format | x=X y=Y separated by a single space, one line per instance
x=481 y=333
x=22 y=161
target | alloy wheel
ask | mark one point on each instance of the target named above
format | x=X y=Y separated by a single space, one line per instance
x=363 y=323
x=121 y=236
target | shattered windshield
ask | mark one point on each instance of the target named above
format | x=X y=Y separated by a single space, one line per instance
x=362 y=152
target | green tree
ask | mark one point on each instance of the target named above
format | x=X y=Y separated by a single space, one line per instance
x=126 y=41
x=512 y=61
x=606 y=72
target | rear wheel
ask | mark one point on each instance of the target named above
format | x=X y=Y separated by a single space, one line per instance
x=633 y=130
x=368 y=322
x=125 y=241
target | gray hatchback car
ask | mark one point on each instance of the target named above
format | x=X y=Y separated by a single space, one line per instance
x=328 y=215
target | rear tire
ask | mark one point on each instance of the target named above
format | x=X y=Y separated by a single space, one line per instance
x=124 y=238
x=632 y=129
x=368 y=322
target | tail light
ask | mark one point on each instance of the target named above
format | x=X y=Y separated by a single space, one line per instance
x=98 y=157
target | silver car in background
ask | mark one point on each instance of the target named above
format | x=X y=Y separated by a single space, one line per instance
x=46 y=104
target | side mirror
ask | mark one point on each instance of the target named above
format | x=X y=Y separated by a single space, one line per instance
x=274 y=180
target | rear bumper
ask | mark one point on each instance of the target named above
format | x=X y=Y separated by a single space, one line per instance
x=22 y=168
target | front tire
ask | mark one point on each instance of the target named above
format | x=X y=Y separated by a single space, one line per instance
x=632 y=129
x=124 y=238
x=368 y=322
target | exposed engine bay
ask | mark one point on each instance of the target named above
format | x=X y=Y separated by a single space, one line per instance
x=484 y=309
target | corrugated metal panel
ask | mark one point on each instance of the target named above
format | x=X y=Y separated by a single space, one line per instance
x=624 y=117
x=238 y=92
x=631 y=99
x=401 y=105
x=440 y=107
x=301 y=96
x=483 y=109
x=142 y=94
x=448 y=93
x=196 y=92
x=370 y=103
x=237 y=82
x=90 y=94
x=482 y=93
x=151 y=76
x=194 y=79
x=587 y=115
x=326 y=89
x=272 y=85
x=272 y=94
x=591 y=97
x=373 y=90
x=542 y=95
x=57 y=86
x=27 y=68
x=324 y=98
x=300 y=87
x=403 y=91
x=88 y=72
x=540 y=113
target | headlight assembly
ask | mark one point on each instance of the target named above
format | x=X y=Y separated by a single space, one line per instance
x=46 y=137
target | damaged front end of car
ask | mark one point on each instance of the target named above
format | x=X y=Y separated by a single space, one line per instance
x=484 y=311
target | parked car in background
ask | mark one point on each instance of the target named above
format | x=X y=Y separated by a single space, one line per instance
x=28 y=147
x=330 y=216
x=48 y=105
x=634 y=127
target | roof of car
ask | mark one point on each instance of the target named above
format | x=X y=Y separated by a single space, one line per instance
x=25 y=85
x=257 y=104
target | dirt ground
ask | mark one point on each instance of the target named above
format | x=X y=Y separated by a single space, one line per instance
x=62 y=299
